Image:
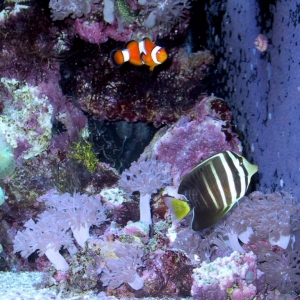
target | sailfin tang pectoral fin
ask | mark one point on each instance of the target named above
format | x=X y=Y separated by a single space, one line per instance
x=179 y=209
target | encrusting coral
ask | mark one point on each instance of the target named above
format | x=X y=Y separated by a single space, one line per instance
x=26 y=122
x=231 y=276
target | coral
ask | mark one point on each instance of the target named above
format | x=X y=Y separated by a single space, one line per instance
x=108 y=11
x=7 y=162
x=61 y=9
x=147 y=177
x=83 y=153
x=2 y=199
x=166 y=11
x=266 y=224
x=228 y=277
x=26 y=120
x=281 y=269
x=139 y=230
x=79 y=212
x=122 y=269
x=47 y=236
x=125 y=11
x=270 y=217
x=114 y=196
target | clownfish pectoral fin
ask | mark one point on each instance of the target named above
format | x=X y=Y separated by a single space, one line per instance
x=142 y=57
x=152 y=68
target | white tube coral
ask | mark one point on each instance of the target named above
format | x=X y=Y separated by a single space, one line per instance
x=79 y=212
x=145 y=176
x=123 y=268
x=47 y=236
x=108 y=11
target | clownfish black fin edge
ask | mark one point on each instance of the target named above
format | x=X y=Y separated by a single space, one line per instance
x=112 y=53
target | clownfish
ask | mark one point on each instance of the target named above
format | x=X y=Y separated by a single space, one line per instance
x=211 y=189
x=140 y=53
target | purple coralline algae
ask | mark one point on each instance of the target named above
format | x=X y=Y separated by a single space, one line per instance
x=206 y=133
x=160 y=275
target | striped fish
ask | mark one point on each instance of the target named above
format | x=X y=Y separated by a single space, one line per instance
x=212 y=188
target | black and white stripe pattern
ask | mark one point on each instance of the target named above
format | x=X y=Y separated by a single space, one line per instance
x=216 y=184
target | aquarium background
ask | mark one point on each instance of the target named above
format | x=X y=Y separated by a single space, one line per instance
x=262 y=88
x=93 y=153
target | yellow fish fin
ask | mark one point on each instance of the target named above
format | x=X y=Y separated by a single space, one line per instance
x=179 y=209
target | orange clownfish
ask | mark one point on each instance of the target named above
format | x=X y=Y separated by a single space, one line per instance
x=140 y=53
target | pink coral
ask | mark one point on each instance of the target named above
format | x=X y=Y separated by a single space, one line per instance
x=167 y=273
x=98 y=32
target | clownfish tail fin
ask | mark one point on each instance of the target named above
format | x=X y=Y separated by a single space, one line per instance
x=116 y=58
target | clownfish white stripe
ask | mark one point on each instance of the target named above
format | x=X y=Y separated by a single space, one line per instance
x=126 y=55
x=142 y=48
x=154 y=54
